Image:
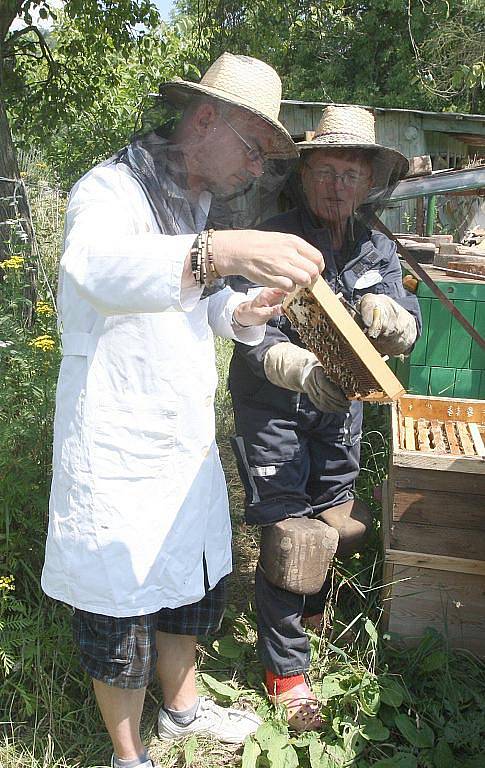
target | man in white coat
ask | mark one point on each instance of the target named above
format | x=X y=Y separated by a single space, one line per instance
x=139 y=539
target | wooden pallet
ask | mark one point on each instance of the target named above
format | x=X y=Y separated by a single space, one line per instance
x=346 y=354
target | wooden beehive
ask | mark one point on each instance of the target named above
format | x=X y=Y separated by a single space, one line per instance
x=434 y=521
x=346 y=354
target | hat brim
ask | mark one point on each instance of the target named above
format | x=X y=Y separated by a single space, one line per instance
x=391 y=158
x=179 y=92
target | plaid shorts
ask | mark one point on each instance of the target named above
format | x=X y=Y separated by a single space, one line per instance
x=123 y=652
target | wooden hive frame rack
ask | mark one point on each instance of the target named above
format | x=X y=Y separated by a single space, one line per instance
x=433 y=519
x=346 y=354
x=433 y=432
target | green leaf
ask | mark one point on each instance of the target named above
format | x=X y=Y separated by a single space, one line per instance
x=337 y=755
x=399 y=760
x=370 y=695
x=443 y=756
x=279 y=751
x=392 y=692
x=315 y=751
x=418 y=737
x=267 y=733
x=251 y=752
x=331 y=686
x=434 y=661
x=190 y=748
x=371 y=630
x=222 y=691
x=478 y=761
x=228 y=647
x=373 y=729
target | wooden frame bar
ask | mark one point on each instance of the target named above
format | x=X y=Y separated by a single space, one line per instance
x=384 y=385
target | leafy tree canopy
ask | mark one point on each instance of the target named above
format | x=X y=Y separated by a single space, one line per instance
x=379 y=52
x=74 y=90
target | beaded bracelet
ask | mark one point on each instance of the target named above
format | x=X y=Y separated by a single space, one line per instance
x=202 y=259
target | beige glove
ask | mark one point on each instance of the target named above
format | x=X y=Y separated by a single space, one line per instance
x=292 y=367
x=393 y=327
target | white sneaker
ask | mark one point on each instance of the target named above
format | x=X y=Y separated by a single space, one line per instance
x=147 y=764
x=229 y=725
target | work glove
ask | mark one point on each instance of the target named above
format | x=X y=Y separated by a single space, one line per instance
x=295 y=368
x=392 y=327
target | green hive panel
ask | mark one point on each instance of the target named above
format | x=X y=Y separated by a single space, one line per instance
x=446 y=361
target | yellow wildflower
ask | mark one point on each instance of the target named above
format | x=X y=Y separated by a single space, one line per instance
x=44 y=308
x=45 y=343
x=7 y=584
x=15 y=262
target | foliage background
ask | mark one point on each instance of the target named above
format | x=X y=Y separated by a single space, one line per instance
x=77 y=88
x=75 y=92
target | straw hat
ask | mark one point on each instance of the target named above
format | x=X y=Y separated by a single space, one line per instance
x=244 y=82
x=343 y=127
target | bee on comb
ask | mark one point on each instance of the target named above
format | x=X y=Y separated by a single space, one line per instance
x=346 y=354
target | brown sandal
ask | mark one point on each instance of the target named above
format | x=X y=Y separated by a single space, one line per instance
x=302 y=708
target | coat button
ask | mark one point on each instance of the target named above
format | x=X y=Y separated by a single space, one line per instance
x=208 y=401
x=205 y=451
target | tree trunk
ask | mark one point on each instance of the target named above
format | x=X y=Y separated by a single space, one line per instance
x=9 y=9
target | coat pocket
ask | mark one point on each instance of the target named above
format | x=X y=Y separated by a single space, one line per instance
x=132 y=444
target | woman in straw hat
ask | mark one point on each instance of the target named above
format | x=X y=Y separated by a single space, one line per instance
x=139 y=539
x=298 y=438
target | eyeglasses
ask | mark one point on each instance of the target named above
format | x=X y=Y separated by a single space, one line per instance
x=326 y=174
x=254 y=154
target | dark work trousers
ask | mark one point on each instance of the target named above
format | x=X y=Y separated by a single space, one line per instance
x=292 y=465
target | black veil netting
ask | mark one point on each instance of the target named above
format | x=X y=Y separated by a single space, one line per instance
x=387 y=168
x=158 y=163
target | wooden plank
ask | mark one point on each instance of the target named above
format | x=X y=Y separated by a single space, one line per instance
x=442 y=409
x=444 y=463
x=470 y=267
x=386 y=593
x=436 y=562
x=412 y=478
x=452 y=439
x=410 y=442
x=437 y=437
x=386 y=515
x=452 y=603
x=423 y=435
x=465 y=439
x=477 y=439
x=451 y=542
x=439 y=509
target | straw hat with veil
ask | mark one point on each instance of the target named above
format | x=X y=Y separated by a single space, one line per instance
x=246 y=93
x=367 y=171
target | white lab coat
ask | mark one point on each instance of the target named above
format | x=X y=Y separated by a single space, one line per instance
x=138 y=494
